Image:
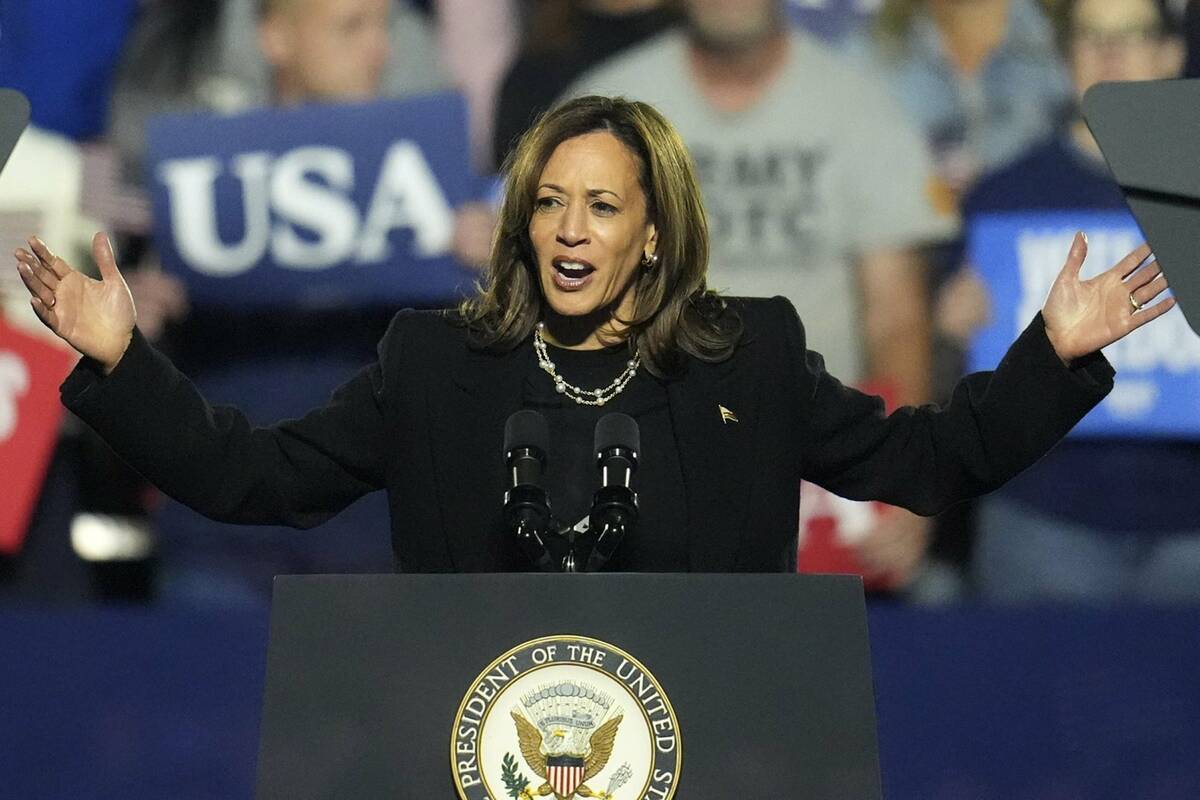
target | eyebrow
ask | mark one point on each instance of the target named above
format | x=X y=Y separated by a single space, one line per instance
x=591 y=192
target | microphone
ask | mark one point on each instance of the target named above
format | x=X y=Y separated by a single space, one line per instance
x=615 y=505
x=526 y=506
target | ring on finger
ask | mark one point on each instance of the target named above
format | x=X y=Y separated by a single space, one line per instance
x=1133 y=301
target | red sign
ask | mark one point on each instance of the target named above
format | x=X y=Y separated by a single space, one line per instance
x=31 y=370
x=831 y=528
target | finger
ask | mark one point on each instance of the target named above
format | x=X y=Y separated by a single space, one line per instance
x=46 y=315
x=60 y=268
x=36 y=288
x=1076 y=256
x=41 y=250
x=30 y=272
x=102 y=252
x=26 y=257
x=1151 y=313
x=1129 y=264
x=47 y=259
x=43 y=273
x=1147 y=293
x=1143 y=276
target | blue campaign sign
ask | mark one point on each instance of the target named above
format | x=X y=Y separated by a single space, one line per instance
x=1157 y=390
x=317 y=206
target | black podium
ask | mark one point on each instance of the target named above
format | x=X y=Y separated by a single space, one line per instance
x=562 y=686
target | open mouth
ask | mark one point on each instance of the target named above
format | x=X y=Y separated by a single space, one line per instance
x=571 y=273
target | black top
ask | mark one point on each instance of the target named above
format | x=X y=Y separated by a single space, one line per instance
x=540 y=75
x=660 y=541
x=426 y=422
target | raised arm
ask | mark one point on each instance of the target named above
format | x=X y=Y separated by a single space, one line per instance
x=298 y=472
x=997 y=423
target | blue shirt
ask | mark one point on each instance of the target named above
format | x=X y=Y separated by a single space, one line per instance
x=1119 y=485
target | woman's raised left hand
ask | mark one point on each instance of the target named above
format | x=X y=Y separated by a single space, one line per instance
x=1083 y=316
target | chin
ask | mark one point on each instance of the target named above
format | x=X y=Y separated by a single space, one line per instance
x=569 y=306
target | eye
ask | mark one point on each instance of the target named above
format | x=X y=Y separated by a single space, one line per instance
x=601 y=207
x=546 y=202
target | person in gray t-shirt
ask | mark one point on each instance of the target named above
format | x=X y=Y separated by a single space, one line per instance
x=817 y=186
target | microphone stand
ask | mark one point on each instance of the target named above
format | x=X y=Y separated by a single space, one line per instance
x=526 y=504
x=614 y=513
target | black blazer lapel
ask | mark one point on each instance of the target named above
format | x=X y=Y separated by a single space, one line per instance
x=468 y=412
x=714 y=414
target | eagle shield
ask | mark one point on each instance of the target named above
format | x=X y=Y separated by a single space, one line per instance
x=566 y=735
x=564 y=774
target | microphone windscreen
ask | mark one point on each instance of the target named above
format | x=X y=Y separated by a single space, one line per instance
x=617 y=430
x=526 y=429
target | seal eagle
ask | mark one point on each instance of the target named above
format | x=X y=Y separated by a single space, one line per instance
x=594 y=759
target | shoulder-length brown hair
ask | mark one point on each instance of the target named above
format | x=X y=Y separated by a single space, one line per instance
x=674 y=312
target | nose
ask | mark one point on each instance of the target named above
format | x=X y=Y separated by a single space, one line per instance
x=572 y=225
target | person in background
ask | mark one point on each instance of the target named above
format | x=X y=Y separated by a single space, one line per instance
x=816 y=187
x=981 y=78
x=984 y=80
x=340 y=50
x=478 y=40
x=231 y=55
x=565 y=38
x=274 y=363
x=1094 y=520
x=187 y=55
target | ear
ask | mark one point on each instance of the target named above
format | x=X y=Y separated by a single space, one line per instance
x=651 y=246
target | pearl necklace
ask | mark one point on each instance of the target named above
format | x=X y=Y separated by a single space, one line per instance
x=585 y=397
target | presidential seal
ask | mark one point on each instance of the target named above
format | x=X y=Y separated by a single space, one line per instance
x=565 y=717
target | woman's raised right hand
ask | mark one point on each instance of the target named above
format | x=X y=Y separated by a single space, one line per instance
x=94 y=317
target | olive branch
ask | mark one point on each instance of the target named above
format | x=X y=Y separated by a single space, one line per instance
x=514 y=781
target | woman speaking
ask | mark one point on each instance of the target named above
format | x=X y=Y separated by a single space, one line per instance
x=594 y=301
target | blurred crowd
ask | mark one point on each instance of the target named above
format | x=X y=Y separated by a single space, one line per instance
x=843 y=148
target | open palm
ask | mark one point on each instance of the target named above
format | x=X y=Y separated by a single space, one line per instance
x=96 y=317
x=1083 y=316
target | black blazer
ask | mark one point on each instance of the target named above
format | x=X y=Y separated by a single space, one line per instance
x=426 y=423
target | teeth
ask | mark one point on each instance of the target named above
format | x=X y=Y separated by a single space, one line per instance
x=571 y=266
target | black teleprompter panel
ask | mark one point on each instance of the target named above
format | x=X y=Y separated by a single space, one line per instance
x=1147 y=131
x=14 y=116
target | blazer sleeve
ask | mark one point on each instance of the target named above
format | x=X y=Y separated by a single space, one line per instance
x=995 y=425
x=298 y=472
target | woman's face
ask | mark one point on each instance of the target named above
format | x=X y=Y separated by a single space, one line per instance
x=589 y=228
